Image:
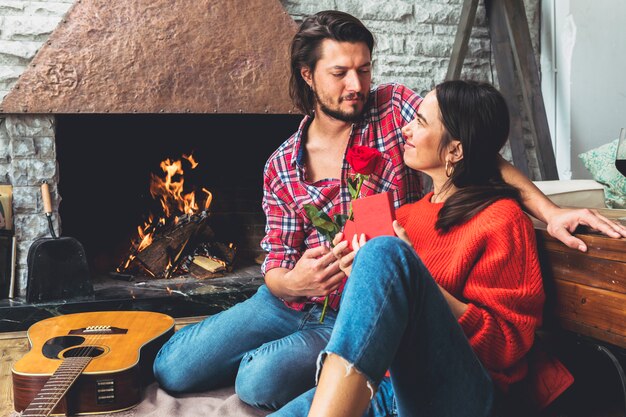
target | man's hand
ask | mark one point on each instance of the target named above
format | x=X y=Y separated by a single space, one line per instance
x=562 y=223
x=316 y=273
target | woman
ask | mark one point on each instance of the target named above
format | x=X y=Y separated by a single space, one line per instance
x=453 y=325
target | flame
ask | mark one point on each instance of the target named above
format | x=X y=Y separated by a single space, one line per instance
x=169 y=191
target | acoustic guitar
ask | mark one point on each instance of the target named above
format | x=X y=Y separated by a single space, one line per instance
x=88 y=363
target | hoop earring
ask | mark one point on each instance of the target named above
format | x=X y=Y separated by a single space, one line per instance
x=449 y=169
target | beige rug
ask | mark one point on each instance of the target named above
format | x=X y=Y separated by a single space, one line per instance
x=158 y=403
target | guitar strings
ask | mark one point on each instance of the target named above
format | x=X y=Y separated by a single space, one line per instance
x=89 y=345
x=86 y=350
x=58 y=392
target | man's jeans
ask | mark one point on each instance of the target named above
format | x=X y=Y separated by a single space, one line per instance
x=266 y=349
x=393 y=316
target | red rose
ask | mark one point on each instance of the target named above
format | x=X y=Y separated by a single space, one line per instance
x=363 y=159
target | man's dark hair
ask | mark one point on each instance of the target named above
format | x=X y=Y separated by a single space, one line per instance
x=305 y=49
x=476 y=114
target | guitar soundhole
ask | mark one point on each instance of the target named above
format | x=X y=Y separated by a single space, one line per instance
x=83 y=351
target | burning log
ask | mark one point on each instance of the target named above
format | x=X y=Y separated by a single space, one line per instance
x=169 y=245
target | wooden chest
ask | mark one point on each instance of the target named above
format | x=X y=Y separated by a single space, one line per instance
x=586 y=291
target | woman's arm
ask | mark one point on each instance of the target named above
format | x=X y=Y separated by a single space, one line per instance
x=561 y=222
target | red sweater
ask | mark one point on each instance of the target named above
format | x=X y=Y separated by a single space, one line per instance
x=490 y=263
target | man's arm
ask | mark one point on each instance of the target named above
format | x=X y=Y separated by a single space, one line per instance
x=289 y=273
x=316 y=273
x=561 y=222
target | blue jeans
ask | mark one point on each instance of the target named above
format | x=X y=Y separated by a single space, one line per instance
x=266 y=349
x=393 y=316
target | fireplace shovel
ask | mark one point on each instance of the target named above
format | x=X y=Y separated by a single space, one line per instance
x=57 y=266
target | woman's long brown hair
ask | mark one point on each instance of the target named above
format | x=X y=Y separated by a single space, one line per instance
x=475 y=114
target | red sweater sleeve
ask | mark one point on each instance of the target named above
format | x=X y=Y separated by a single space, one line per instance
x=505 y=293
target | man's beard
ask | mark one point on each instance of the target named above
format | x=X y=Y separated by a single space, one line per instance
x=342 y=115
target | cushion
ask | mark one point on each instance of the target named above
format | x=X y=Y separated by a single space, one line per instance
x=574 y=193
x=601 y=164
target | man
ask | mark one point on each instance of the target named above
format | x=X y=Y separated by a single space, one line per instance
x=268 y=345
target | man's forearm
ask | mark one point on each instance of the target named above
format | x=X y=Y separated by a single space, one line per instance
x=275 y=281
x=534 y=201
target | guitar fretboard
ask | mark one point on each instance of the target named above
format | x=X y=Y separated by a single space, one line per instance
x=56 y=387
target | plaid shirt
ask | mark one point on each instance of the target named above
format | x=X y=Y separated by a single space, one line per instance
x=289 y=232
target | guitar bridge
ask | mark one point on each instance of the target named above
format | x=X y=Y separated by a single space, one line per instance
x=105 y=391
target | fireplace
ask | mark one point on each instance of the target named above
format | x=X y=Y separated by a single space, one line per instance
x=101 y=105
x=105 y=163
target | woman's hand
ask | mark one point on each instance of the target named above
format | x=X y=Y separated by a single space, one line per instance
x=344 y=255
x=401 y=233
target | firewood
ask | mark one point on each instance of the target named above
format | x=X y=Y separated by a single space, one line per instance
x=209 y=264
x=169 y=246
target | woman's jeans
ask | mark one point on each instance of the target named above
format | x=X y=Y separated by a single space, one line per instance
x=393 y=316
x=266 y=349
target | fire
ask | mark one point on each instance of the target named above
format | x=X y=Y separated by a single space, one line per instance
x=169 y=191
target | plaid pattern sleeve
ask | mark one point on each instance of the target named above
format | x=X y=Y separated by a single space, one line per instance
x=284 y=228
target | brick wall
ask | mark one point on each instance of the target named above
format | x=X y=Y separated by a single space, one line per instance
x=414 y=41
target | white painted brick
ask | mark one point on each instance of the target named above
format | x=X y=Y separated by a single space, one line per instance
x=17 y=52
x=8 y=7
x=4 y=143
x=19 y=126
x=22 y=148
x=307 y=7
x=9 y=75
x=381 y=28
x=31 y=171
x=49 y=8
x=27 y=199
x=28 y=28
x=5 y=167
x=437 y=13
x=390 y=10
x=21 y=273
x=45 y=147
x=448 y=30
x=391 y=43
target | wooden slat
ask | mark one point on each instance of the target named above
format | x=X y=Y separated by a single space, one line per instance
x=505 y=67
x=593 y=332
x=597 y=273
x=459 y=49
x=592 y=308
x=598 y=246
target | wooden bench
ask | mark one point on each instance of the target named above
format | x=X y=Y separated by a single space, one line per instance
x=586 y=291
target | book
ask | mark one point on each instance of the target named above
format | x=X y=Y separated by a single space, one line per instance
x=373 y=216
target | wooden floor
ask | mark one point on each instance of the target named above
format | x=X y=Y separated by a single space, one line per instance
x=12 y=347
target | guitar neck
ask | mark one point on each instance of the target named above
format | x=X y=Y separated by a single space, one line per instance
x=56 y=387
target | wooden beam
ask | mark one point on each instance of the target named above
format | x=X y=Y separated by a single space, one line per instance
x=513 y=13
x=459 y=49
x=505 y=67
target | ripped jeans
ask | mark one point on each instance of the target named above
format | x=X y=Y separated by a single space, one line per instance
x=394 y=317
x=267 y=350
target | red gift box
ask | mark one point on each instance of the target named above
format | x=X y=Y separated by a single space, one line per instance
x=373 y=216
